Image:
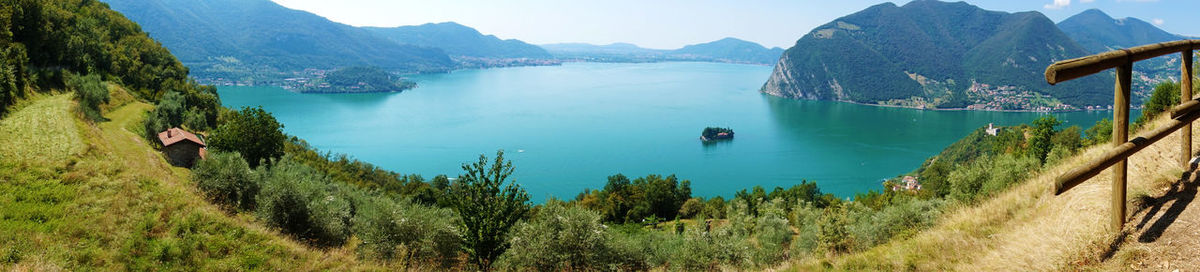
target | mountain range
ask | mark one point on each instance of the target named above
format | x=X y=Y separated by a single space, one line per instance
x=217 y=37
x=730 y=50
x=460 y=40
x=1097 y=32
x=932 y=54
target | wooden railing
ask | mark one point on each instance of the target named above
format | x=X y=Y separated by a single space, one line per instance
x=1181 y=115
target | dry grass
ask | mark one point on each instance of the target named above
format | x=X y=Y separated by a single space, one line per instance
x=111 y=202
x=1026 y=228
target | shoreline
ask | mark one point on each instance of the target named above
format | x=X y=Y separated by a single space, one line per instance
x=942 y=109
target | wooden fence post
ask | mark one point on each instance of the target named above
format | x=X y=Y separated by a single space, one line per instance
x=1120 y=136
x=1185 y=91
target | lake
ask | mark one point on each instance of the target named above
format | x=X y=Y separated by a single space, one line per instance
x=567 y=128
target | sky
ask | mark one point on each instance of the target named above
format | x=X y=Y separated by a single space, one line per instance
x=670 y=24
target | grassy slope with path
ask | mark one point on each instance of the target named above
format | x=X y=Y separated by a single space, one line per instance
x=1028 y=228
x=75 y=195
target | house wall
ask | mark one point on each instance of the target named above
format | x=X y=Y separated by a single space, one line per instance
x=182 y=154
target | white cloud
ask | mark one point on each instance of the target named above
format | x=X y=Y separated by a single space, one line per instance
x=1158 y=22
x=1086 y=1
x=1058 y=4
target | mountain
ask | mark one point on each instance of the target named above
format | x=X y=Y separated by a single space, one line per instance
x=230 y=36
x=460 y=40
x=731 y=50
x=932 y=54
x=1097 y=32
x=616 y=52
x=725 y=50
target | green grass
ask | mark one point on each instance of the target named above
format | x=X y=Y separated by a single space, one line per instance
x=78 y=196
x=40 y=134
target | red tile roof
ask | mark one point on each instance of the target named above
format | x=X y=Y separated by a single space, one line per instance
x=175 y=135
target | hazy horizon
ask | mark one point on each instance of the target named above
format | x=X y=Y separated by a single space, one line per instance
x=671 y=24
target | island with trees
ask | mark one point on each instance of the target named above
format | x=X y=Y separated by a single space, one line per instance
x=712 y=134
x=364 y=79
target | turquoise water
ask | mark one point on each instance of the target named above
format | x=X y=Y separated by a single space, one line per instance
x=568 y=127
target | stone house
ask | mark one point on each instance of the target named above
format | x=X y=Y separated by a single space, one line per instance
x=181 y=147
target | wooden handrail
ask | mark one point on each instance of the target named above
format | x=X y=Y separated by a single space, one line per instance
x=1182 y=115
x=1080 y=174
x=1076 y=68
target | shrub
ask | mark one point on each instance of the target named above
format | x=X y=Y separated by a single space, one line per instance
x=1100 y=133
x=227 y=179
x=1165 y=96
x=967 y=179
x=167 y=113
x=560 y=238
x=691 y=208
x=832 y=236
x=389 y=228
x=773 y=235
x=302 y=202
x=90 y=91
x=252 y=132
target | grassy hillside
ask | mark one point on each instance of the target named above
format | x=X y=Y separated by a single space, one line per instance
x=97 y=196
x=1026 y=227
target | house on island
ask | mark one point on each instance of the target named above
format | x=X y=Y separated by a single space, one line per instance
x=992 y=130
x=181 y=147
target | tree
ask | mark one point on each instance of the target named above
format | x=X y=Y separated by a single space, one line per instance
x=488 y=210
x=253 y=132
x=1165 y=95
x=227 y=179
x=90 y=91
x=1099 y=133
x=1041 y=141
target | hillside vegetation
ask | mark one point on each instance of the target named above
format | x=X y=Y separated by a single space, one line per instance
x=1027 y=227
x=934 y=54
x=257 y=38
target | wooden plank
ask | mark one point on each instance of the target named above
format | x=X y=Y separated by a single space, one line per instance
x=1075 y=68
x=1185 y=92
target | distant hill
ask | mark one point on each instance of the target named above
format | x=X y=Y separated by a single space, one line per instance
x=241 y=36
x=932 y=54
x=724 y=50
x=460 y=40
x=731 y=50
x=1097 y=32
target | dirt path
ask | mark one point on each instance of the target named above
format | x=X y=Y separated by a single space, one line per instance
x=1165 y=235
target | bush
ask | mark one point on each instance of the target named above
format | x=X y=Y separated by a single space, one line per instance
x=227 y=180
x=91 y=92
x=389 y=228
x=1100 y=133
x=901 y=219
x=691 y=208
x=167 y=113
x=832 y=236
x=1165 y=96
x=303 y=203
x=252 y=132
x=560 y=238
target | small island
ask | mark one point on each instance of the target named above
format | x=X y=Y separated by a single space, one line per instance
x=712 y=134
x=357 y=80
